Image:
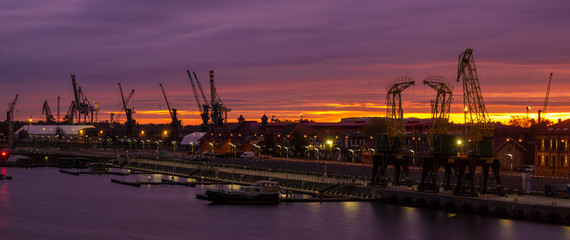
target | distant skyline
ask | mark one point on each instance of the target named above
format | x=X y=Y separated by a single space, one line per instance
x=324 y=60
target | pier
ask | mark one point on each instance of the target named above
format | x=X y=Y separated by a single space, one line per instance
x=526 y=206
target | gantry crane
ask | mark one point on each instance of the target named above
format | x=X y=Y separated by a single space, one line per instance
x=83 y=108
x=204 y=109
x=543 y=110
x=478 y=147
x=47 y=113
x=219 y=111
x=120 y=113
x=10 y=120
x=391 y=145
x=128 y=112
x=443 y=145
x=175 y=122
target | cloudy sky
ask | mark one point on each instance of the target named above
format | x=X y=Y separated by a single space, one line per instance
x=323 y=60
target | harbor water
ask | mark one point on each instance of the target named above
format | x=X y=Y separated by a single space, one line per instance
x=42 y=203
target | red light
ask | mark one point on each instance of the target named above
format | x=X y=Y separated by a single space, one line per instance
x=4 y=154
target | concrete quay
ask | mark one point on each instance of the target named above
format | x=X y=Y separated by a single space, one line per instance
x=527 y=207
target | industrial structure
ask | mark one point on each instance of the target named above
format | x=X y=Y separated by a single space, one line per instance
x=47 y=113
x=391 y=145
x=128 y=113
x=542 y=112
x=10 y=120
x=442 y=143
x=213 y=112
x=203 y=108
x=117 y=117
x=175 y=123
x=83 y=113
x=478 y=143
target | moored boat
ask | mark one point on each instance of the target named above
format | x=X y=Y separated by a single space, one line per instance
x=258 y=192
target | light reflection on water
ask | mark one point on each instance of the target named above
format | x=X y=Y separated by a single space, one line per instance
x=45 y=204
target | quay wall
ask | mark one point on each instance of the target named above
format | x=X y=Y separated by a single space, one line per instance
x=515 y=207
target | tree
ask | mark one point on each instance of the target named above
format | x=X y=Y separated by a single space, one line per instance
x=525 y=122
x=59 y=133
x=23 y=134
x=375 y=126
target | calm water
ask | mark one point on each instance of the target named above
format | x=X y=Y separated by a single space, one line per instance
x=42 y=203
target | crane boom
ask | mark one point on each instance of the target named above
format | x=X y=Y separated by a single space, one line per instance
x=200 y=86
x=128 y=112
x=395 y=113
x=47 y=112
x=175 y=122
x=441 y=106
x=10 y=112
x=546 y=98
x=194 y=90
x=477 y=119
x=118 y=117
x=166 y=99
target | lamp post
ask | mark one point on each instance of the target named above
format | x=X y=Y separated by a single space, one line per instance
x=286 y=152
x=317 y=153
x=258 y=149
x=330 y=143
x=233 y=149
x=279 y=146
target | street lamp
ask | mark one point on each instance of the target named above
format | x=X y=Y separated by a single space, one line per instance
x=286 y=152
x=258 y=149
x=279 y=146
x=233 y=149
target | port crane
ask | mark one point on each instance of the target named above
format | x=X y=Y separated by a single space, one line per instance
x=68 y=118
x=175 y=122
x=443 y=145
x=391 y=145
x=543 y=110
x=83 y=108
x=10 y=120
x=128 y=112
x=204 y=109
x=120 y=113
x=219 y=110
x=47 y=113
x=478 y=144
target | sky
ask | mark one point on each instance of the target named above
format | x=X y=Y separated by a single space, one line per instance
x=322 y=60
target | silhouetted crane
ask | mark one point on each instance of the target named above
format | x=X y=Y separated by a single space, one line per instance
x=128 y=112
x=175 y=122
x=47 y=113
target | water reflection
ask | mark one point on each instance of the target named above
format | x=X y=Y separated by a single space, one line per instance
x=70 y=206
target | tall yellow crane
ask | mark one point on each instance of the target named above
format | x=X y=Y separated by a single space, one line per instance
x=443 y=145
x=391 y=145
x=478 y=147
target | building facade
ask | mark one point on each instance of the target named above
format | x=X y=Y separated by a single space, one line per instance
x=552 y=150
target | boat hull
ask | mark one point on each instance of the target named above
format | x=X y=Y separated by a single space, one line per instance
x=222 y=197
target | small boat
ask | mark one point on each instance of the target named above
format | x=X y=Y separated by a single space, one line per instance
x=258 y=192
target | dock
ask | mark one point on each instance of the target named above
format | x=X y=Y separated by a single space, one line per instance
x=77 y=173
